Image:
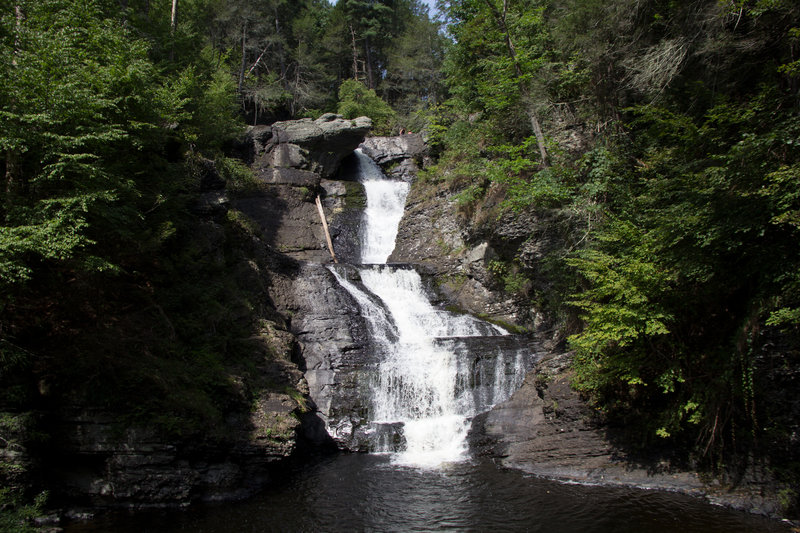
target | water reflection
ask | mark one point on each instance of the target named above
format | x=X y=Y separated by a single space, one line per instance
x=368 y=493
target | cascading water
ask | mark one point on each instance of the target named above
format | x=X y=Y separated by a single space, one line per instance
x=386 y=200
x=426 y=388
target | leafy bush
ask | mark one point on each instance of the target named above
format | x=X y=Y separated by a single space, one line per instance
x=355 y=100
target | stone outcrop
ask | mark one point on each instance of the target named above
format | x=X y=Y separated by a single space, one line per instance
x=293 y=162
x=547 y=430
x=458 y=254
x=334 y=354
x=400 y=156
x=95 y=457
x=102 y=462
x=387 y=150
x=301 y=152
x=473 y=250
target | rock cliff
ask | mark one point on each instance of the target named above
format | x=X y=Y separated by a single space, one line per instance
x=293 y=162
x=547 y=430
x=267 y=237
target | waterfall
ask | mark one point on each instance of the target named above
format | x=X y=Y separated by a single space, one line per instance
x=427 y=387
x=386 y=200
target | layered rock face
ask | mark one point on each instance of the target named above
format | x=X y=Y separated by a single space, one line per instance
x=96 y=457
x=102 y=463
x=333 y=346
x=458 y=255
x=334 y=354
x=294 y=162
x=99 y=459
x=400 y=157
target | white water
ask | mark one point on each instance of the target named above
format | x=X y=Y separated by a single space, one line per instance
x=422 y=384
x=386 y=200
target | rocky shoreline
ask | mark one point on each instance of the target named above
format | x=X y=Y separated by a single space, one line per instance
x=547 y=430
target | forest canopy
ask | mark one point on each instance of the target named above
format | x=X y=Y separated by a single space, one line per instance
x=111 y=112
x=664 y=135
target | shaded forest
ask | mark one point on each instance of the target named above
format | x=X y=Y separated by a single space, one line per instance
x=665 y=136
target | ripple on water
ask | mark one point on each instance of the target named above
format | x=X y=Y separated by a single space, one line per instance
x=369 y=493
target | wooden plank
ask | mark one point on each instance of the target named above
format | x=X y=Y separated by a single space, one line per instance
x=325 y=227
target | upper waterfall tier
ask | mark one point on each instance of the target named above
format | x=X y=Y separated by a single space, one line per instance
x=386 y=200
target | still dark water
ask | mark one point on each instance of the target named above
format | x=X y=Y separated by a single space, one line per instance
x=366 y=493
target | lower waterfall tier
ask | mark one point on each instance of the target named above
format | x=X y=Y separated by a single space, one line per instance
x=431 y=370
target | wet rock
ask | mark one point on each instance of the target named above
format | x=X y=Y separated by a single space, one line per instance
x=344 y=203
x=332 y=345
x=461 y=270
x=547 y=430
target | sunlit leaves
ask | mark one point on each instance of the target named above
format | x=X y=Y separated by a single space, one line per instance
x=356 y=100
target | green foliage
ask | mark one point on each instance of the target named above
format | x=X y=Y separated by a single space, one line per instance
x=413 y=81
x=16 y=514
x=517 y=168
x=509 y=275
x=681 y=217
x=355 y=100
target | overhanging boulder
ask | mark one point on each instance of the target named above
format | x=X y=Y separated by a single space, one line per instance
x=387 y=150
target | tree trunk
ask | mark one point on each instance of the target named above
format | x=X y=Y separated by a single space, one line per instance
x=11 y=186
x=11 y=155
x=512 y=54
x=244 y=56
x=123 y=4
x=537 y=131
x=370 y=78
x=173 y=23
x=355 y=52
x=17 y=30
x=281 y=51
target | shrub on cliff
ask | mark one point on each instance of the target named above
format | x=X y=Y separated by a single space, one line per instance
x=355 y=100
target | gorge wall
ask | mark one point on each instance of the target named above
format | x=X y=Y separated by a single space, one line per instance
x=309 y=350
x=257 y=238
x=474 y=253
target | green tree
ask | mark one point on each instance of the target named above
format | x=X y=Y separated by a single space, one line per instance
x=498 y=60
x=370 y=24
x=413 y=65
x=683 y=209
x=356 y=100
x=76 y=98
